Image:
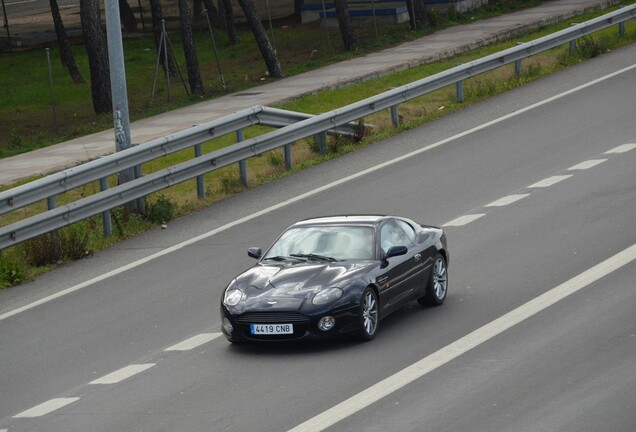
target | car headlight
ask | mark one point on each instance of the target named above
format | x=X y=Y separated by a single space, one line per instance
x=232 y=296
x=327 y=296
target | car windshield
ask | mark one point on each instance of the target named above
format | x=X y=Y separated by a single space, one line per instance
x=324 y=243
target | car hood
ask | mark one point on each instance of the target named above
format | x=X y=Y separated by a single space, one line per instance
x=290 y=284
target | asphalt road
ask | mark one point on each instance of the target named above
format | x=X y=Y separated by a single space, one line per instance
x=538 y=332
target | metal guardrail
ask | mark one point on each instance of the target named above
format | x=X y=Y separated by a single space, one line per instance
x=294 y=126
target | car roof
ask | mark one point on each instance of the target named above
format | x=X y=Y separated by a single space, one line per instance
x=342 y=219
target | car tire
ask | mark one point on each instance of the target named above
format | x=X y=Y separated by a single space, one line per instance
x=369 y=315
x=437 y=284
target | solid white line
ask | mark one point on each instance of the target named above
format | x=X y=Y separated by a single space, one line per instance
x=468 y=342
x=46 y=407
x=507 y=200
x=463 y=220
x=621 y=149
x=306 y=195
x=550 y=181
x=587 y=164
x=194 y=342
x=123 y=373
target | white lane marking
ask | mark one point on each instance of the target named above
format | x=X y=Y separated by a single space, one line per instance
x=550 y=181
x=46 y=407
x=621 y=149
x=123 y=373
x=194 y=342
x=507 y=200
x=308 y=194
x=587 y=164
x=468 y=342
x=463 y=220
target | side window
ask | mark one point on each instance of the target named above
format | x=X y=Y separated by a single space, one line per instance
x=409 y=232
x=392 y=234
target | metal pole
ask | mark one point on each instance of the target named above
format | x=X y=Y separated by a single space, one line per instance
x=118 y=82
x=48 y=60
x=459 y=85
x=271 y=29
x=216 y=54
x=395 y=118
x=6 y=25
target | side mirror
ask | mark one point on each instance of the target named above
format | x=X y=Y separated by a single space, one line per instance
x=255 y=252
x=395 y=251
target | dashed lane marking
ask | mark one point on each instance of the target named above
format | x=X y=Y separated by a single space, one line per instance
x=194 y=342
x=507 y=200
x=464 y=220
x=550 y=181
x=621 y=149
x=46 y=407
x=587 y=164
x=123 y=373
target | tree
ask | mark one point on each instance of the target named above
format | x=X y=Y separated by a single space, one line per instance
x=128 y=20
x=157 y=27
x=267 y=51
x=344 y=22
x=228 y=12
x=66 y=53
x=96 y=49
x=213 y=13
x=417 y=13
x=189 y=49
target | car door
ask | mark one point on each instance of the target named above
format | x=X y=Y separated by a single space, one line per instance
x=398 y=281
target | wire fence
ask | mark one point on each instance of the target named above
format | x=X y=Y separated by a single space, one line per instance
x=29 y=23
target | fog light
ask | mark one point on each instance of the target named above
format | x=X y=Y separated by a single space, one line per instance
x=227 y=325
x=326 y=323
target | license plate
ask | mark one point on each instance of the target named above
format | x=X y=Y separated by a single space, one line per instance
x=271 y=329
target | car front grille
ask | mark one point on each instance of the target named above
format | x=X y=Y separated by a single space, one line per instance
x=272 y=317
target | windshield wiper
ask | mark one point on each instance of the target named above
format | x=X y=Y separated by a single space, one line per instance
x=283 y=258
x=315 y=257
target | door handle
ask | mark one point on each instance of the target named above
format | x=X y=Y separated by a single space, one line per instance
x=417 y=257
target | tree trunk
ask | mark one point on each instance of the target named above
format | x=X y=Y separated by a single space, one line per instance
x=228 y=12
x=96 y=49
x=157 y=17
x=66 y=53
x=417 y=13
x=344 y=22
x=268 y=53
x=189 y=49
x=127 y=17
x=213 y=14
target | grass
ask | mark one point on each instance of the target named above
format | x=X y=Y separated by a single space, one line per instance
x=17 y=263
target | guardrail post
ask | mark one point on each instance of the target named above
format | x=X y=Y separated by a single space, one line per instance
x=50 y=205
x=395 y=119
x=518 y=64
x=289 y=160
x=198 y=152
x=141 y=202
x=240 y=136
x=321 y=139
x=106 y=221
x=459 y=87
x=572 y=42
x=621 y=29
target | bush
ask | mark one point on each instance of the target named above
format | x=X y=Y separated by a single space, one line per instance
x=43 y=250
x=161 y=210
x=10 y=273
x=74 y=242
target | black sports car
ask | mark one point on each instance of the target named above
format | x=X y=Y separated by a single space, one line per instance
x=335 y=275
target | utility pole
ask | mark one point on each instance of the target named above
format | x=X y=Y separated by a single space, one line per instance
x=118 y=83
